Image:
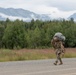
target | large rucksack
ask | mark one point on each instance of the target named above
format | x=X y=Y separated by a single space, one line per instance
x=60 y=36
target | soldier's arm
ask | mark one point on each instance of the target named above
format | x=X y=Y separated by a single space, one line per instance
x=62 y=47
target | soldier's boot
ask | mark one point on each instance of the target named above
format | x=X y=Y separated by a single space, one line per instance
x=56 y=63
x=60 y=62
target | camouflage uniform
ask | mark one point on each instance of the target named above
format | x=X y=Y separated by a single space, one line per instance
x=59 y=49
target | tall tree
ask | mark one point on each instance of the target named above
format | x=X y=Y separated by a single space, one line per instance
x=14 y=35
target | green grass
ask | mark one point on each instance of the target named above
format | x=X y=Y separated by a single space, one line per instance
x=70 y=55
x=19 y=55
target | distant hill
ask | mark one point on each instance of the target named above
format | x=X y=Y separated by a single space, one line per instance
x=26 y=15
x=21 y=14
x=73 y=16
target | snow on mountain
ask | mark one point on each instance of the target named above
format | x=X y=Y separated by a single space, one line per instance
x=73 y=16
x=26 y=15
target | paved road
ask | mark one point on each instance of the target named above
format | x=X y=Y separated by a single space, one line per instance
x=38 y=67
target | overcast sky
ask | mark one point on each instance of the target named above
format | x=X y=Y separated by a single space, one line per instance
x=57 y=8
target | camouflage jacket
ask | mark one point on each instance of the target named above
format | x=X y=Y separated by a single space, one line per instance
x=58 y=45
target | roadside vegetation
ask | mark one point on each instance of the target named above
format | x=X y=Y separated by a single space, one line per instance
x=32 y=54
x=21 y=40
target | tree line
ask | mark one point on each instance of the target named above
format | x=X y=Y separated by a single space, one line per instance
x=35 y=34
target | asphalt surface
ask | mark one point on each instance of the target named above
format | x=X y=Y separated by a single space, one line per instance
x=38 y=67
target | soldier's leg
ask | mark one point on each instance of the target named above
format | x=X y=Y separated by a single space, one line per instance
x=58 y=55
x=59 y=58
x=56 y=59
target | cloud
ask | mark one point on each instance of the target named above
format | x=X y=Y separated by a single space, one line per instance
x=62 y=14
x=30 y=4
x=66 y=5
x=13 y=17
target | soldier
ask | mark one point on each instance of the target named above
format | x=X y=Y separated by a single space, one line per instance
x=59 y=48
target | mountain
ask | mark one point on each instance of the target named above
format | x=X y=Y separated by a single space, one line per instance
x=73 y=16
x=21 y=14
